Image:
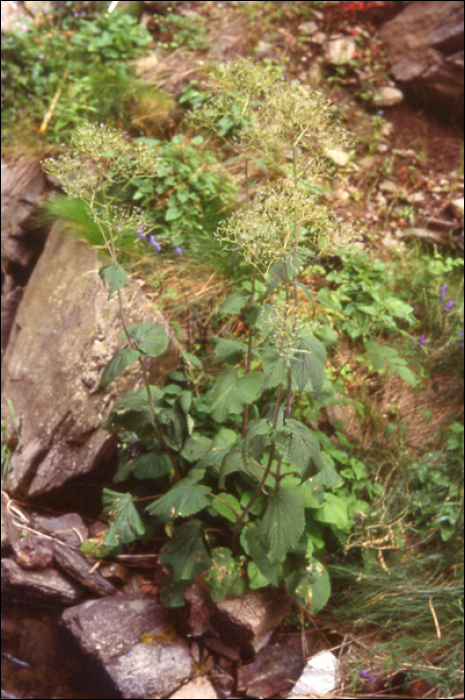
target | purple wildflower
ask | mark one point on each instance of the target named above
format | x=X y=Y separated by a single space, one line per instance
x=422 y=340
x=371 y=677
x=155 y=244
x=443 y=292
x=118 y=226
x=449 y=305
x=41 y=56
x=178 y=251
x=363 y=674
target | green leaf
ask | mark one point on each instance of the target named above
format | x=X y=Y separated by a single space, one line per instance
x=232 y=393
x=233 y=304
x=310 y=588
x=230 y=350
x=234 y=461
x=183 y=499
x=251 y=541
x=275 y=368
x=196 y=448
x=118 y=363
x=261 y=165
x=152 y=465
x=333 y=511
x=408 y=375
x=382 y=351
x=125 y=523
x=224 y=509
x=303 y=449
x=282 y=524
x=225 y=575
x=307 y=369
x=172 y=214
x=151 y=340
x=185 y=553
x=256 y=578
x=115 y=276
x=172 y=592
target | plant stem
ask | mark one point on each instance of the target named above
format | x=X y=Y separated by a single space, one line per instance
x=261 y=483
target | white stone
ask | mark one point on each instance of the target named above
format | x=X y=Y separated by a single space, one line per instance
x=338 y=156
x=388 y=96
x=341 y=50
x=457 y=207
x=321 y=676
x=197 y=688
x=308 y=28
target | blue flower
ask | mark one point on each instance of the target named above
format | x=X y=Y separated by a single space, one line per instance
x=178 y=251
x=422 y=340
x=443 y=292
x=155 y=244
x=449 y=305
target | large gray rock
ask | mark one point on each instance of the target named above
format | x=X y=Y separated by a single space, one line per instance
x=23 y=187
x=64 y=334
x=425 y=46
x=131 y=637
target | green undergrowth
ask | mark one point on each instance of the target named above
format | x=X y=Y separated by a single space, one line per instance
x=68 y=69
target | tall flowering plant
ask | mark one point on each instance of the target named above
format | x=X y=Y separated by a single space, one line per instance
x=242 y=484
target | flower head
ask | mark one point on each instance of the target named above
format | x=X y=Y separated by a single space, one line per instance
x=178 y=250
x=155 y=244
x=443 y=292
x=449 y=305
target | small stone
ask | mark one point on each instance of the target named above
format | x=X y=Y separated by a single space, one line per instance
x=387 y=129
x=308 y=28
x=457 y=207
x=321 y=676
x=341 y=50
x=197 y=688
x=383 y=148
x=338 y=156
x=388 y=186
x=416 y=198
x=388 y=97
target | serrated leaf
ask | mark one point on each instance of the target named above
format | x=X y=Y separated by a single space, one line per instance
x=303 y=449
x=185 y=553
x=232 y=393
x=185 y=498
x=256 y=578
x=150 y=339
x=333 y=511
x=138 y=399
x=275 y=368
x=407 y=374
x=118 y=363
x=152 y=465
x=255 y=549
x=310 y=588
x=225 y=575
x=224 y=509
x=230 y=350
x=306 y=369
x=115 y=276
x=282 y=524
x=196 y=448
x=125 y=523
x=234 y=461
x=233 y=304
x=172 y=592
x=172 y=214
